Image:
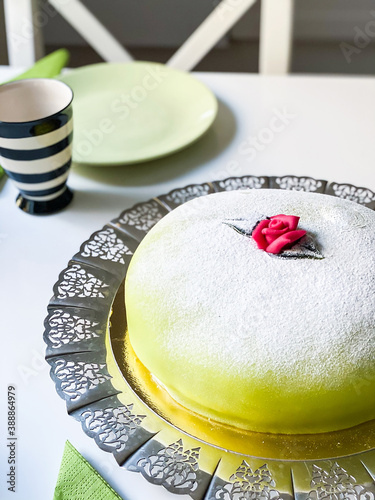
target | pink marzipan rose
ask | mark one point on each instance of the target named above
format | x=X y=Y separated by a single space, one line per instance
x=277 y=232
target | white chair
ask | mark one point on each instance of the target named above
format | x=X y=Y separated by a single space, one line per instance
x=24 y=20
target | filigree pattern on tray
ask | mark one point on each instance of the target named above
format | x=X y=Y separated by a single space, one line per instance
x=143 y=216
x=107 y=246
x=77 y=282
x=180 y=196
x=245 y=484
x=353 y=193
x=77 y=377
x=172 y=466
x=248 y=485
x=246 y=182
x=298 y=183
x=112 y=426
x=337 y=484
x=66 y=328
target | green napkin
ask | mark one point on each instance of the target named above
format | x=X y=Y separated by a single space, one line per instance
x=78 y=479
x=47 y=67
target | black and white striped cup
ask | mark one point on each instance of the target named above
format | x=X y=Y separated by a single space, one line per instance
x=36 y=131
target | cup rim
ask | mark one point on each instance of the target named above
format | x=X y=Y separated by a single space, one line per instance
x=15 y=82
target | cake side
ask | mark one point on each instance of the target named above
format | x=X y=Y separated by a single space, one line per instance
x=254 y=340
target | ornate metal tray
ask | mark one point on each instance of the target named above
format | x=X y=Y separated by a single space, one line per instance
x=94 y=372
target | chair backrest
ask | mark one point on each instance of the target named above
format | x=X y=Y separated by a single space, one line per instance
x=24 y=21
x=23 y=34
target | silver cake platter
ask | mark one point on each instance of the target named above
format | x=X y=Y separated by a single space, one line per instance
x=85 y=333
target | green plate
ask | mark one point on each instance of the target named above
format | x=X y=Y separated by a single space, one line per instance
x=129 y=113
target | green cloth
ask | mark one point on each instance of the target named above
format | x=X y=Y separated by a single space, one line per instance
x=78 y=480
x=47 y=67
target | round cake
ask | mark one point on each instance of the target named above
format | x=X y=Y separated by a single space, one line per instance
x=245 y=330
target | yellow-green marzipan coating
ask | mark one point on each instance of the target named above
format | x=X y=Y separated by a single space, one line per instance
x=252 y=340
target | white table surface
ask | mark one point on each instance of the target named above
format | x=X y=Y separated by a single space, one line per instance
x=329 y=133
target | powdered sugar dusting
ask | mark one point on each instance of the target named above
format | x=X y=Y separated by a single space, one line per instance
x=224 y=303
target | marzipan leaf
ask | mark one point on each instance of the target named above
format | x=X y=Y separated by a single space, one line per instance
x=242 y=226
x=305 y=248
